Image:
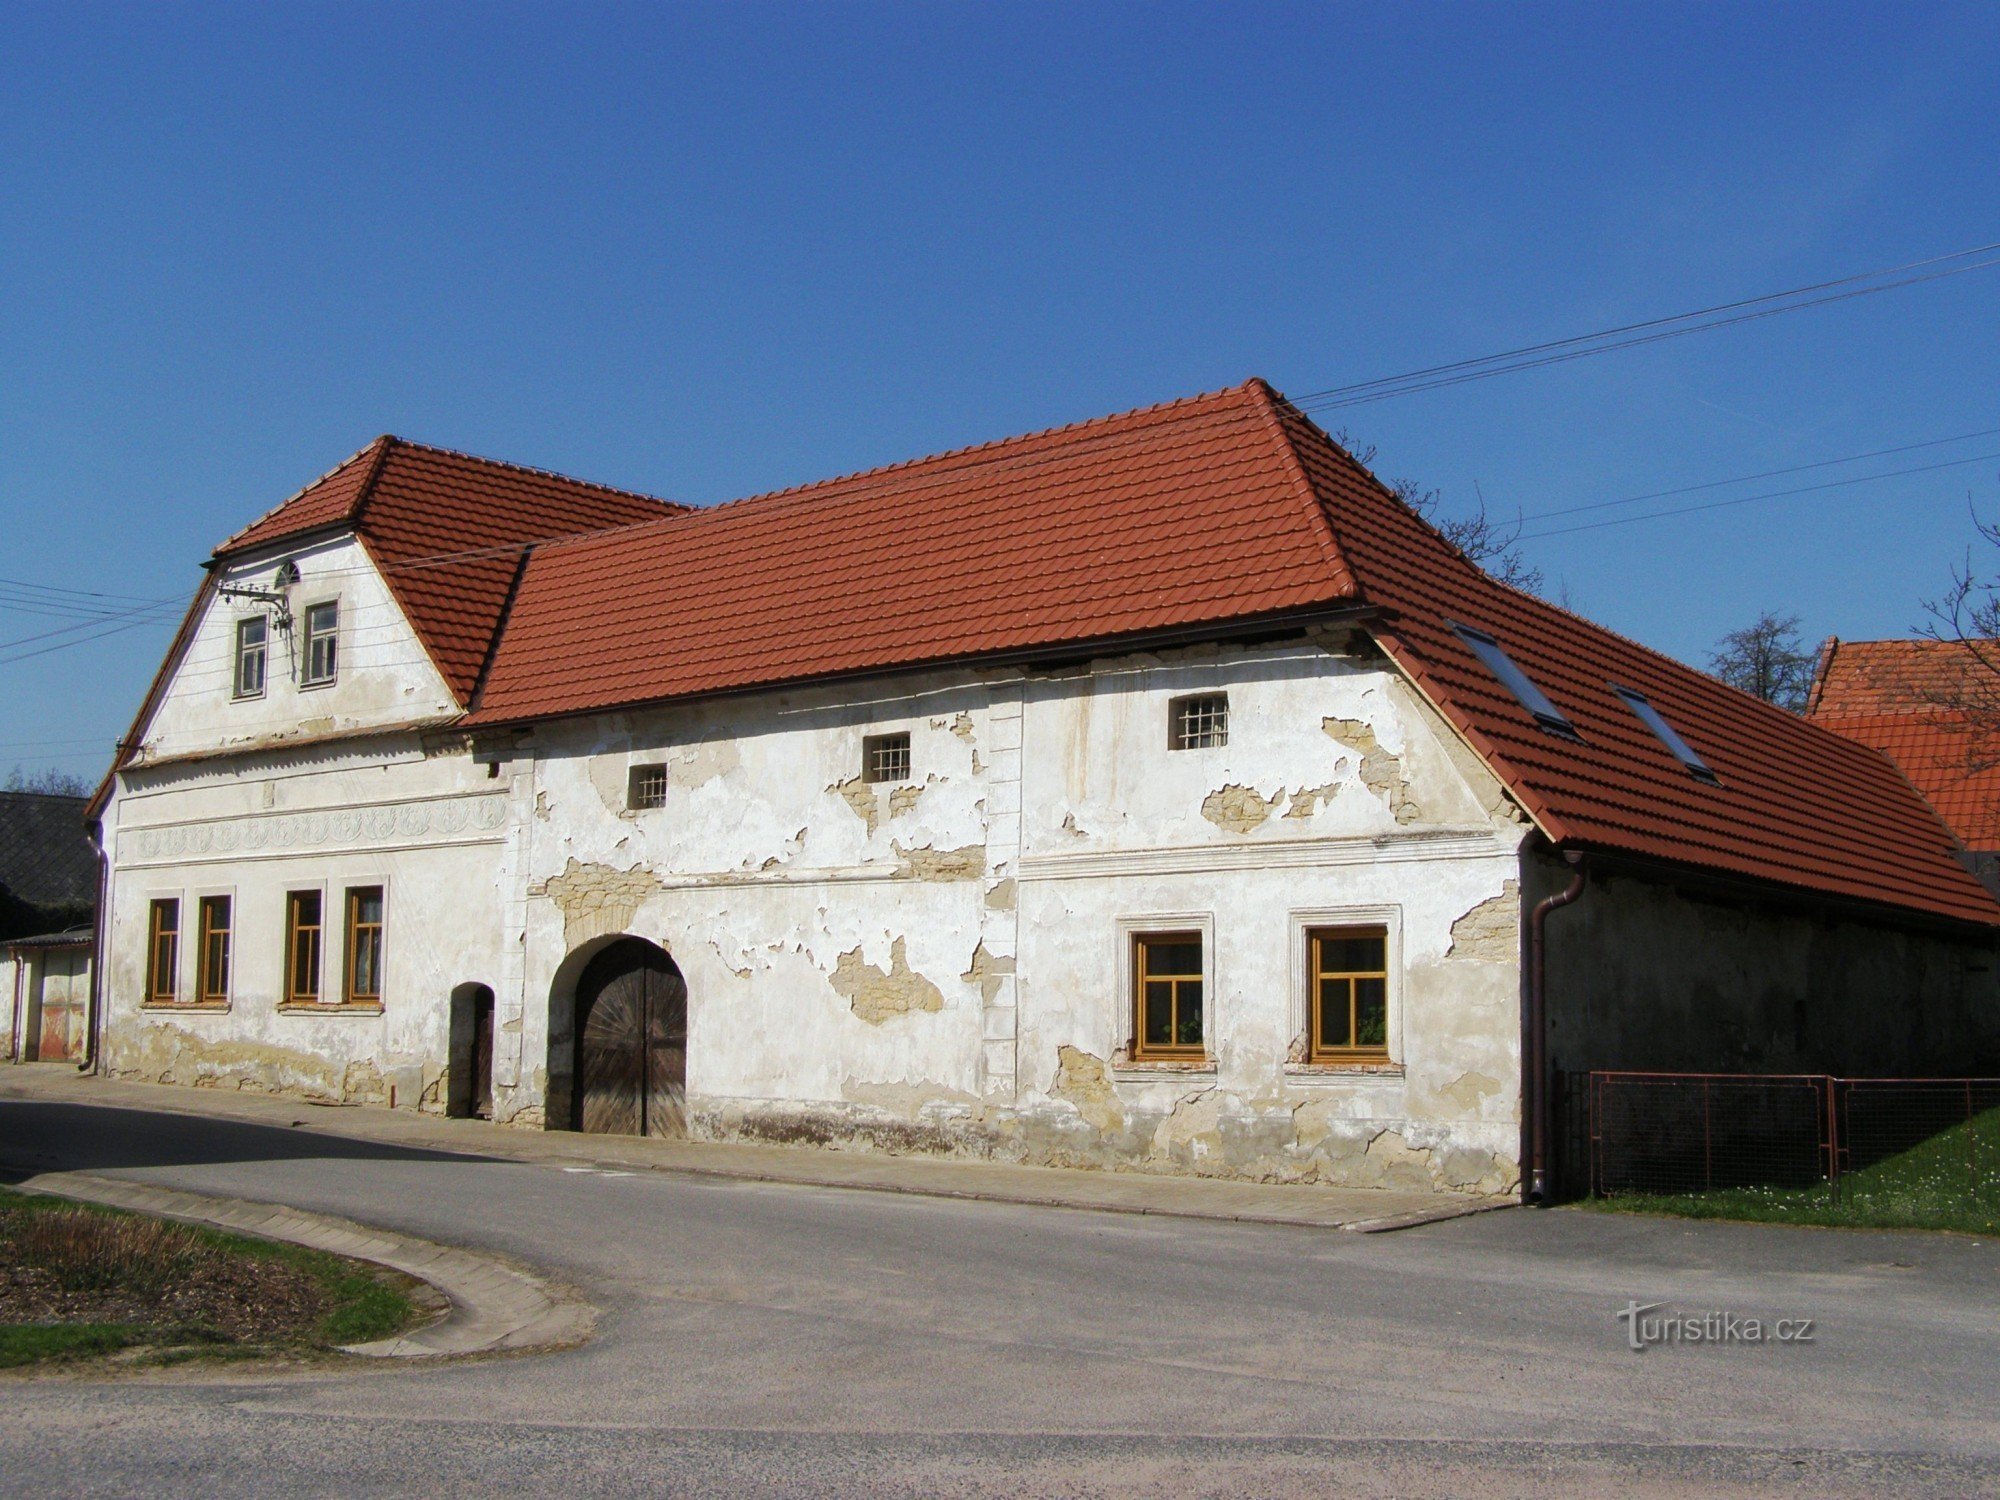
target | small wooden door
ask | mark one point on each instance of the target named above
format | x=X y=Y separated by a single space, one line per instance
x=65 y=992
x=482 y=1054
x=631 y=1043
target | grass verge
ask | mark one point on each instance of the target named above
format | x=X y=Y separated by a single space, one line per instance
x=1950 y=1181
x=79 y=1281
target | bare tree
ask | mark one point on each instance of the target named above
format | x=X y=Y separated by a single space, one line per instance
x=1767 y=660
x=1968 y=616
x=1492 y=545
x=49 y=782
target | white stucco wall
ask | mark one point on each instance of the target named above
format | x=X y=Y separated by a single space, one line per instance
x=386 y=677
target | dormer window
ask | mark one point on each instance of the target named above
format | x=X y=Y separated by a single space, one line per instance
x=1546 y=715
x=252 y=651
x=1652 y=718
x=322 y=644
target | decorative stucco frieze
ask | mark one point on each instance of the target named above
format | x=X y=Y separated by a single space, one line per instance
x=441 y=820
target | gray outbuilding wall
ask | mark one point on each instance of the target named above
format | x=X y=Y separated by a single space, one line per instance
x=1651 y=971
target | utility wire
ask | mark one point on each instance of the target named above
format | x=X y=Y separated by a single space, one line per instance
x=1716 y=484
x=1433 y=376
x=1804 y=489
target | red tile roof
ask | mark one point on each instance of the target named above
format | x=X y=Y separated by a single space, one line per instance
x=1183 y=514
x=1898 y=697
x=1954 y=765
x=1883 y=677
x=1198 y=514
x=448 y=531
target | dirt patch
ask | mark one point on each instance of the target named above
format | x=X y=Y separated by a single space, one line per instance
x=84 y=1280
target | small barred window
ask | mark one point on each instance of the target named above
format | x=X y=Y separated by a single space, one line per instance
x=885 y=757
x=646 y=788
x=1200 y=722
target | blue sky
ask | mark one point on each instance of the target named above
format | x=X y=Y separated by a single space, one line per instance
x=704 y=251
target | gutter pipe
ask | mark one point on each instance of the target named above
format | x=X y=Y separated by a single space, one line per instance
x=1538 y=1026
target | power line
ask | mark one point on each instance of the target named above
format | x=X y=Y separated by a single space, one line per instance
x=1716 y=484
x=1804 y=489
x=1628 y=335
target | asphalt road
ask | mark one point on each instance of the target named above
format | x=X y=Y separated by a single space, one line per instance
x=767 y=1339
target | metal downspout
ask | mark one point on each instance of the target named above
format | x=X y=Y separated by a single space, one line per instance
x=93 y=1033
x=1538 y=1026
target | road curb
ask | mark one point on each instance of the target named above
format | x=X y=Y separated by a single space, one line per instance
x=495 y=1306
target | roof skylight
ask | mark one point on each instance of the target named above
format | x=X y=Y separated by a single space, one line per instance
x=1653 y=720
x=1533 y=699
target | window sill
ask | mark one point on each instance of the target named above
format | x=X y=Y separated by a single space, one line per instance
x=324 y=1008
x=1145 y=1069
x=178 y=1008
x=1355 y=1069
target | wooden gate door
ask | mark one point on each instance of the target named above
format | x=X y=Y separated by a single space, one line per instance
x=631 y=1043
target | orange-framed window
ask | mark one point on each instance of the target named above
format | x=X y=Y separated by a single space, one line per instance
x=163 y=952
x=1347 y=978
x=303 y=927
x=212 y=965
x=1169 y=1020
x=363 y=984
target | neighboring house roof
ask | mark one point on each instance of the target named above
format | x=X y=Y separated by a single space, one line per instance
x=447 y=531
x=74 y=937
x=1897 y=696
x=45 y=859
x=1225 y=510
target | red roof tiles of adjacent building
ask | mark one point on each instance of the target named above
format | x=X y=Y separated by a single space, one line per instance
x=447 y=530
x=1198 y=515
x=1898 y=696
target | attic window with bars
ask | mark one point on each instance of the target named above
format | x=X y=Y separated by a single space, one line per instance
x=1545 y=714
x=1654 y=720
x=1198 y=722
x=885 y=757
x=646 y=788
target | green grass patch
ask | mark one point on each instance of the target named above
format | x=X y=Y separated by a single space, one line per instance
x=30 y=1343
x=1950 y=1181
x=124 y=1281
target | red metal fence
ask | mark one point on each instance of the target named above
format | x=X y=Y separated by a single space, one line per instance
x=1704 y=1132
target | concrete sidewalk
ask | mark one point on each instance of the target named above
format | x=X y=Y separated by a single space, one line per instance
x=1364 y=1210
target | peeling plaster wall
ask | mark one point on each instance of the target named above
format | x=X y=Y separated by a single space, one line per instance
x=937 y=965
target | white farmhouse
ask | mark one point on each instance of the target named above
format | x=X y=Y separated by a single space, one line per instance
x=1155 y=793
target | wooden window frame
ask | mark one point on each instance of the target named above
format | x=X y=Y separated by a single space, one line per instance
x=295 y=931
x=156 y=971
x=882 y=754
x=309 y=637
x=209 y=988
x=1191 y=709
x=1137 y=942
x=353 y=929
x=1316 y=973
x=262 y=652
x=646 y=787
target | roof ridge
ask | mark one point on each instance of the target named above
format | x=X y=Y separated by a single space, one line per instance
x=539 y=473
x=1268 y=400
x=306 y=489
x=881 y=471
x=692 y=512
x=383 y=446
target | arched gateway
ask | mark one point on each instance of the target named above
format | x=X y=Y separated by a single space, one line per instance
x=631 y=1043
